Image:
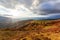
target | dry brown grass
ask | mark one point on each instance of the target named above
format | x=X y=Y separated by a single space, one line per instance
x=33 y=30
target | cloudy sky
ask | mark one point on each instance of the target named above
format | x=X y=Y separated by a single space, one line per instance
x=29 y=8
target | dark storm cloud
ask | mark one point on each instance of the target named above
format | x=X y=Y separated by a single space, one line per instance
x=49 y=7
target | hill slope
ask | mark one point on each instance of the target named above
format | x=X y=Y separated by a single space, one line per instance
x=32 y=30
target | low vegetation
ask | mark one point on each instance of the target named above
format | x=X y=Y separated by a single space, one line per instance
x=32 y=30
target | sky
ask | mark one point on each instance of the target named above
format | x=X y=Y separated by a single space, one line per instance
x=29 y=8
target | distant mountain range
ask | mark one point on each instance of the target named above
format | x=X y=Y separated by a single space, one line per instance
x=7 y=22
x=4 y=19
x=50 y=17
x=29 y=25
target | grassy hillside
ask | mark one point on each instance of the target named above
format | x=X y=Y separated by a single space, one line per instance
x=32 y=30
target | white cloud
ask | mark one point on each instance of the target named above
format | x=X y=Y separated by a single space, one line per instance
x=23 y=8
x=19 y=12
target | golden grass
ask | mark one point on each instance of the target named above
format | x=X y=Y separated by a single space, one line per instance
x=36 y=30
